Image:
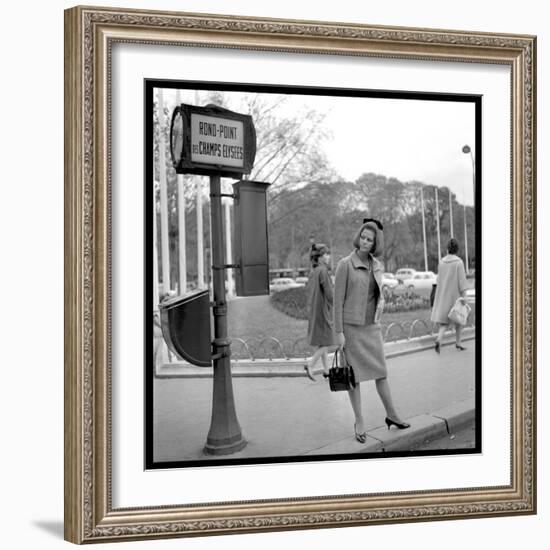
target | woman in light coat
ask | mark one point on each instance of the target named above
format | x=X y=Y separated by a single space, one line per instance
x=451 y=285
x=358 y=304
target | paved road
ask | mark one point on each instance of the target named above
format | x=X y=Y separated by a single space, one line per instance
x=294 y=416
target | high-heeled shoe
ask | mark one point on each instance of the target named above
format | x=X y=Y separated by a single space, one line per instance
x=437 y=347
x=309 y=375
x=360 y=437
x=400 y=425
x=459 y=347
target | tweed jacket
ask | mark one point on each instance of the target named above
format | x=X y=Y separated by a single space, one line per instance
x=350 y=291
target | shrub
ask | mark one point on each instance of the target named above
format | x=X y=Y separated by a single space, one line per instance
x=405 y=302
x=293 y=302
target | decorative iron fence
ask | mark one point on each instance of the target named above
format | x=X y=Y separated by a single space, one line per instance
x=261 y=346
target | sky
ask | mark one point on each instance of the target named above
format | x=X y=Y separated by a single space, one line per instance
x=405 y=139
x=402 y=138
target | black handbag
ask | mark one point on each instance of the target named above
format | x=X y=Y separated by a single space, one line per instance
x=340 y=375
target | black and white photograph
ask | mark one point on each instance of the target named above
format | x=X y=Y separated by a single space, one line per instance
x=312 y=258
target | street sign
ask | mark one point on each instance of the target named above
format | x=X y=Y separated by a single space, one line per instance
x=216 y=140
x=212 y=140
x=250 y=245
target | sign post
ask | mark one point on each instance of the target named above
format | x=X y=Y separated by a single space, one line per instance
x=216 y=142
x=224 y=436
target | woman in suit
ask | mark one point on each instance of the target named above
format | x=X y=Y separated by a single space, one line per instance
x=320 y=298
x=451 y=285
x=358 y=304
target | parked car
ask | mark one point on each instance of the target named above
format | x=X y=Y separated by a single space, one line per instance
x=421 y=280
x=389 y=281
x=282 y=283
x=404 y=273
x=302 y=281
x=470 y=296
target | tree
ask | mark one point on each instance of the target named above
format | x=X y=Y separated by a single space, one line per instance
x=289 y=141
x=310 y=211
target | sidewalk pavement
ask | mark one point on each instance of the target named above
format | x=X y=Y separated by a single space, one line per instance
x=289 y=415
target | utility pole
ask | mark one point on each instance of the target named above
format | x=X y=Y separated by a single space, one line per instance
x=451 y=211
x=155 y=257
x=200 y=237
x=181 y=226
x=424 y=230
x=437 y=219
x=163 y=200
x=466 y=240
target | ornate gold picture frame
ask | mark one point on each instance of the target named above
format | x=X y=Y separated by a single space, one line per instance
x=90 y=36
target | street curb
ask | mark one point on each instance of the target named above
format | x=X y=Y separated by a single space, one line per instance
x=273 y=368
x=434 y=425
x=457 y=415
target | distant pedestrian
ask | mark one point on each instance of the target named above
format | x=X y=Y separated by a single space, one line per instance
x=358 y=304
x=320 y=293
x=451 y=285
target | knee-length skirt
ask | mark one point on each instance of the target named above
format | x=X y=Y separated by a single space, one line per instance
x=365 y=351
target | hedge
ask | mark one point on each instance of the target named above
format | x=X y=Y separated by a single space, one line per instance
x=293 y=302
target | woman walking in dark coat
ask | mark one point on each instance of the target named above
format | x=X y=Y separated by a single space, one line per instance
x=358 y=304
x=451 y=285
x=320 y=297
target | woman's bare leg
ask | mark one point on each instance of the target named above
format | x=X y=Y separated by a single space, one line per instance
x=311 y=363
x=355 y=399
x=439 y=338
x=458 y=334
x=324 y=359
x=383 y=389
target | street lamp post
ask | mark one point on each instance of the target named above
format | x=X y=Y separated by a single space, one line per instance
x=467 y=150
x=466 y=241
x=437 y=220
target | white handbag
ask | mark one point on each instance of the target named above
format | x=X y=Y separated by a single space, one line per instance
x=459 y=312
